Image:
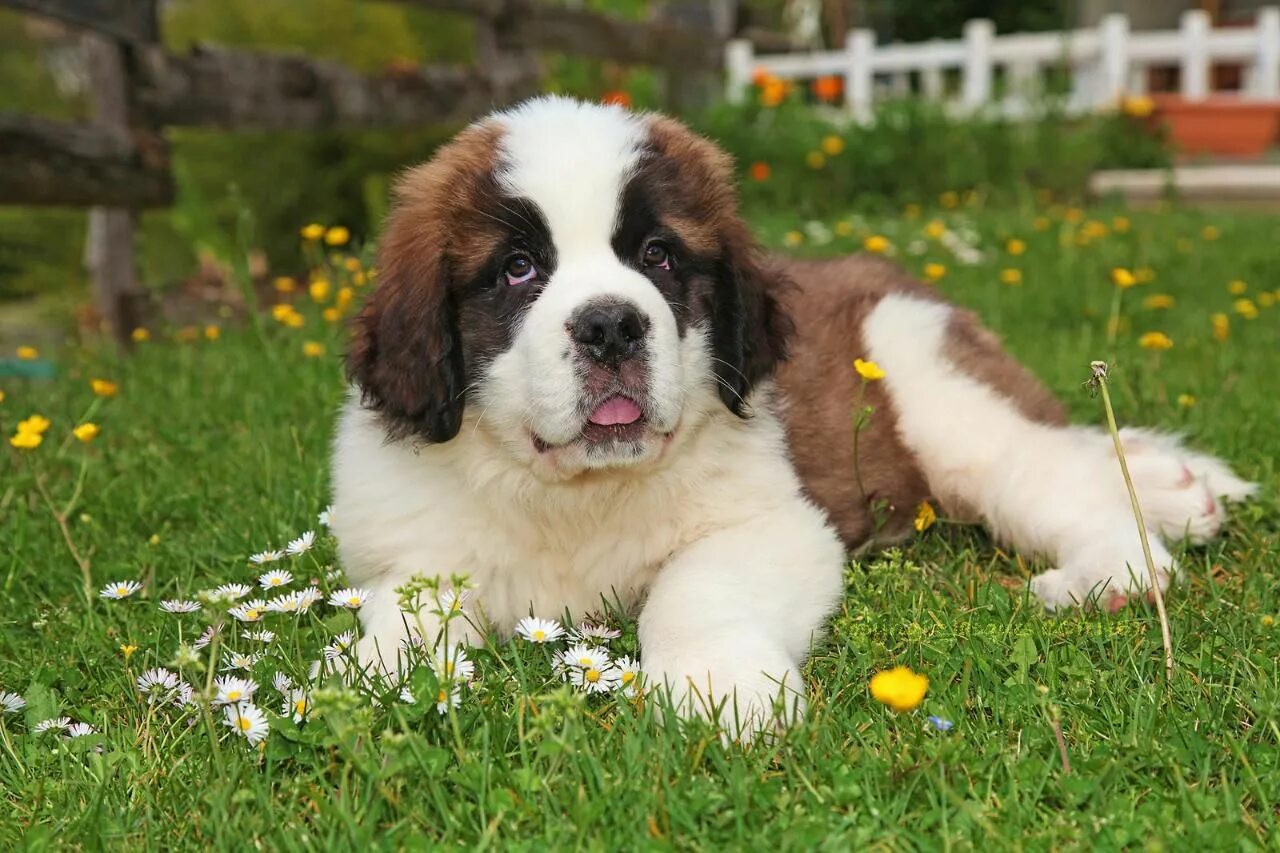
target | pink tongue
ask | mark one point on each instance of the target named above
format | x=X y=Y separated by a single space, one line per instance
x=615 y=410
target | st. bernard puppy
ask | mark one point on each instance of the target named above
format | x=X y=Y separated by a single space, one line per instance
x=579 y=380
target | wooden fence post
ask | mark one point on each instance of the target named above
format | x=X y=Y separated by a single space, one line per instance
x=976 y=88
x=1265 y=74
x=858 y=47
x=1195 y=55
x=1114 y=59
x=109 y=241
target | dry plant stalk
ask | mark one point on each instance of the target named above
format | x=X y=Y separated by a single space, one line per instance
x=1099 y=381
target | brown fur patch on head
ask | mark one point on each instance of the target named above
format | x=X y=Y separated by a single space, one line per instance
x=684 y=183
x=406 y=351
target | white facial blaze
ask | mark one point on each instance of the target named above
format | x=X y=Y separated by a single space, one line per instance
x=573 y=161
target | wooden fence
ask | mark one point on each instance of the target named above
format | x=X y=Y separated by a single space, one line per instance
x=1104 y=64
x=118 y=161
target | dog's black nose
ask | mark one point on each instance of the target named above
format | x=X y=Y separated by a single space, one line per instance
x=609 y=332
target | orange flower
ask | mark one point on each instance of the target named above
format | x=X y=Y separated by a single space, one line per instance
x=617 y=97
x=760 y=171
x=827 y=89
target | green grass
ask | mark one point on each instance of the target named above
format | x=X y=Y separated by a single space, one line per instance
x=215 y=450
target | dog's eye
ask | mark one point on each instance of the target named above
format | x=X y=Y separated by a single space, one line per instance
x=520 y=270
x=656 y=254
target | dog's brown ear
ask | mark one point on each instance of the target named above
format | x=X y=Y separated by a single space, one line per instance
x=749 y=327
x=406 y=347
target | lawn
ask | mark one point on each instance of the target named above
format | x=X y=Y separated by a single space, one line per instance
x=215 y=449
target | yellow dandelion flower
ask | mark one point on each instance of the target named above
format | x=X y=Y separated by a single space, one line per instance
x=86 y=432
x=1015 y=246
x=312 y=232
x=331 y=315
x=1266 y=300
x=1211 y=232
x=352 y=264
x=28 y=353
x=1156 y=341
x=935 y=230
x=925 y=517
x=319 y=290
x=1122 y=278
x=212 y=333
x=1074 y=215
x=1186 y=401
x=899 y=688
x=343 y=298
x=1144 y=275
x=844 y=228
x=312 y=349
x=1158 y=301
x=127 y=650
x=1094 y=230
x=1120 y=224
x=1137 y=106
x=1 y=396
x=934 y=271
x=1237 y=287
x=26 y=440
x=815 y=159
x=1040 y=223
x=35 y=424
x=140 y=335
x=1221 y=326
x=911 y=211
x=1010 y=275
x=832 y=145
x=876 y=243
x=1268 y=621
x=793 y=238
x=284 y=284
x=337 y=236
x=104 y=388
x=1245 y=308
x=868 y=370
x=949 y=199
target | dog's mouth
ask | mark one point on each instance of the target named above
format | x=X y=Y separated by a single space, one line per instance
x=616 y=419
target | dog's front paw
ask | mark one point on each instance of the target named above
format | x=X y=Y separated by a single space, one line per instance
x=745 y=698
x=1107 y=572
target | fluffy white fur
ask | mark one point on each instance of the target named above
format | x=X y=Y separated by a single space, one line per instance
x=1054 y=491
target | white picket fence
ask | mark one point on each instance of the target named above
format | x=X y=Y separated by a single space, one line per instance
x=1104 y=64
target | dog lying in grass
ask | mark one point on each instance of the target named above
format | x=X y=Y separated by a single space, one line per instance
x=579 y=378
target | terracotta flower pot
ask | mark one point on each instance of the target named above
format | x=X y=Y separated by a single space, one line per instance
x=1222 y=125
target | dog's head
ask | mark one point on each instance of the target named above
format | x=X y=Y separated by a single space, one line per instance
x=578 y=277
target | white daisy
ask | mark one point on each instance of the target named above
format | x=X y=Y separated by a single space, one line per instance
x=333 y=575
x=248 y=720
x=406 y=696
x=339 y=646
x=594 y=631
x=297 y=705
x=260 y=636
x=266 y=557
x=80 y=730
x=185 y=695
x=232 y=689
x=207 y=637
x=302 y=544
x=157 y=684
x=447 y=698
x=11 y=703
x=628 y=674
x=582 y=656
x=236 y=660
x=537 y=630
x=57 y=724
x=281 y=682
x=452 y=664
x=231 y=591
x=299 y=601
x=307 y=597
x=276 y=578
x=350 y=598
x=250 y=611
x=178 y=605
x=119 y=589
x=326 y=517
x=450 y=601
x=595 y=680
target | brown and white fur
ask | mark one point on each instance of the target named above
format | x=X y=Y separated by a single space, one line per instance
x=579 y=380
